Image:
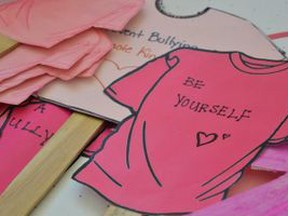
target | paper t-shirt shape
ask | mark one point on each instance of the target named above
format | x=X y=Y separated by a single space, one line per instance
x=198 y=118
x=46 y=23
x=151 y=33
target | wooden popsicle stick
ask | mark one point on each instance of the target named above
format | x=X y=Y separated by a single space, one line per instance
x=116 y=211
x=39 y=176
x=7 y=45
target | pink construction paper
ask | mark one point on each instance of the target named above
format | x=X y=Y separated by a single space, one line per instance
x=281 y=136
x=270 y=199
x=62 y=56
x=46 y=23
x=273 y=158
x=91 y=71
x=96 y=145
x=20 y=93
x=168 y=154
x=24 y=131
x=19 y=79
x=6 y=1
x=19 y=87
x=89 y=60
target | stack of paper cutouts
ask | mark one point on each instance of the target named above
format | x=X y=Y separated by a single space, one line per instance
x=58 y=40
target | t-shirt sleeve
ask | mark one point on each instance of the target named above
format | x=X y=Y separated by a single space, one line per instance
x=130 y=89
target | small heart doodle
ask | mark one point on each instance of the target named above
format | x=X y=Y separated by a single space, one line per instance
x=225 y=136
x=204 y=138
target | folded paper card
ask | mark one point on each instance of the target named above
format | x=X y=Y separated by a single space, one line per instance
x=46 y=23
x=24 y=131
x=150 y=34
x=168 y=154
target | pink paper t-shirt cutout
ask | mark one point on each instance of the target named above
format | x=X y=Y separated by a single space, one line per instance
x=46 y=23
x=198 y=118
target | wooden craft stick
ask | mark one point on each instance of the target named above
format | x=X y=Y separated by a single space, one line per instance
x=7 y=45
x=116 y=211
x=38 y=177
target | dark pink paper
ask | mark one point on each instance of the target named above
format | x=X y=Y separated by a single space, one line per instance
x=198 y=118
x=24 y=130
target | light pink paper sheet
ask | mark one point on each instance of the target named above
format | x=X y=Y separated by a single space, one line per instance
x=89 y=60
x=273 y=158
x=24 y=130
x=46 y=23
x=62 y=56
x=6 y=1
x=18 y=79
x=270 y=199
x=20 y=93
x=16 y=89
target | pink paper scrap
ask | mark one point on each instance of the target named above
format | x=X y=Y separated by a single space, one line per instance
x=46 y=23
x=62 y=56
x=270 y=199
x=273 y=158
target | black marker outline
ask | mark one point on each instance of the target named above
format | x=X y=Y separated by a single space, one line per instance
x=198 y=138
x=106 y=174
x=241 y=159
x=161 y=8
x=217 y=185
x=147 y=156
x=257 y=59
x=134 y=113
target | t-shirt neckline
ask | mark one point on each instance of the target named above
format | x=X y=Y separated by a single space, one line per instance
x=257 y=66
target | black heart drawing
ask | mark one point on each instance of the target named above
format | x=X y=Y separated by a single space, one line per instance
x=204 y=139
x=225 y=136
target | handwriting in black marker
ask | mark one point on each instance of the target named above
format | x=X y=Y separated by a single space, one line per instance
x=205 y=139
